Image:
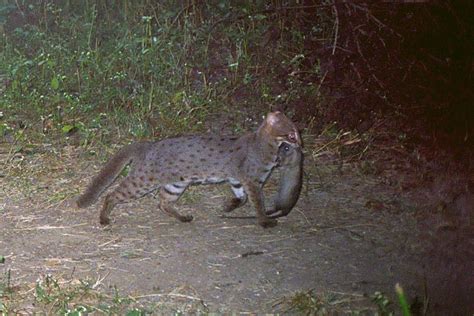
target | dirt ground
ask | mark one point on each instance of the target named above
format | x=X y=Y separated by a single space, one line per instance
x=349 y=236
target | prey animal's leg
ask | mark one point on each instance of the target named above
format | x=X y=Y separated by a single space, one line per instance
x=169 y=194
x=255 y=193
x=239 y=199
x=131 y=188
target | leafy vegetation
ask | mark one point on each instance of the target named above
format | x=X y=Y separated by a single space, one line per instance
x=144 y=69
x=73 y=298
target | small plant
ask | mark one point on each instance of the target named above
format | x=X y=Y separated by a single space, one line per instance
x=383 y=304
x=311 y=303
x=307 y=303
x=5 y=284
x=5 y=291
x=49 y=292
x=81 y=298
x=402 y=300
x=314 y=304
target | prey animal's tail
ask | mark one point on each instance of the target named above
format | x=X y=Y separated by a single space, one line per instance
x=110 y=171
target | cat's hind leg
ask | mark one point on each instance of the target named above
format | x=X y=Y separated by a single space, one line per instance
x=169 y=194
x=131 y=188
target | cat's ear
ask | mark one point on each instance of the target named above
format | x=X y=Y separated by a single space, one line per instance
x=273 y=118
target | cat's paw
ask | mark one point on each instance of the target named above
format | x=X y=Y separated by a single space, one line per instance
x=268 y=222
x=104 y=221
x=186 y=218
x=232 y=204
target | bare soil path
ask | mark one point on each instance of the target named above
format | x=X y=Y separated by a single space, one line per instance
x=349 y=236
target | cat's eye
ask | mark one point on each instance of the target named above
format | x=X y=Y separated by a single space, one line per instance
x=286 y=147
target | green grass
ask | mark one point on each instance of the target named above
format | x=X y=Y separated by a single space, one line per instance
x=81 y=298
x=139 y=69
x=56 y=296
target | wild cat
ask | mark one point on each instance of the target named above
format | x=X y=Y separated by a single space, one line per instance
x=171 y=165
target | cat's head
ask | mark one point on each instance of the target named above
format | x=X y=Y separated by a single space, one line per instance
x=281 y=129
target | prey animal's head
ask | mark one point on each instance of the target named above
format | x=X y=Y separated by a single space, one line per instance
x=280 y=129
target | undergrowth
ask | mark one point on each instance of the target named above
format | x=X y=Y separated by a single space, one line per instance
x=140 y=69
x=81 y=297
x=335 y=303
x=56 y=296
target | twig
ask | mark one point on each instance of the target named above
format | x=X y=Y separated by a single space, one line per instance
x=356 y=71
x=185 y=296
x=377 y=21
x=285 y=238
x=336 y=25
x=19 y=8
x=321 y=81
x=349 y=294
x=238 y=217
x=236 y=227
x=340 y=227
x=251 y=253
x=303 y=215
x=108 y=242
x=99 y=281
x=368 y=64
x=170 y=295
x=186 y=8
x=47 y=227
